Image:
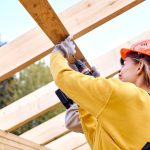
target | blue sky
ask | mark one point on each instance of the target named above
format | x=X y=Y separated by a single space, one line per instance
x=14 y=21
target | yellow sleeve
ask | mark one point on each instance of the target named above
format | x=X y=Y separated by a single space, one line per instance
x=92 y=94
x=88 y=123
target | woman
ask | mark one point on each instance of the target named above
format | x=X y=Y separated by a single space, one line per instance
x=121 y=109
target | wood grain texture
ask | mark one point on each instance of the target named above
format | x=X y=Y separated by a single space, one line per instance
x=47 y=131
x=29 y=107
x=83 y=147
x=87 y=15
x=47 y=19
x=9 y=141
x=78 y=19
x=69 y=141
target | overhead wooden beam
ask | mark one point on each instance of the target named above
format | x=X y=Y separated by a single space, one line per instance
x=76 y=140
x=88 y=14
x=23 y=51
x=47 y=19
x=47 y=131
x=28 y=107
x=53 y=27
x=19 y=112
x=34 y=45
x=9 y=141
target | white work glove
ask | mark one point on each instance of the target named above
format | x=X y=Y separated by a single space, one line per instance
x=66 y=47
x=95 y=72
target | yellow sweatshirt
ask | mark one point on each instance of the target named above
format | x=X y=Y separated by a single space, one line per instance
x=88 y=123
x=122 y=110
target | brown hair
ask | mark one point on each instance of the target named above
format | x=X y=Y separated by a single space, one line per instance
x=145 y=59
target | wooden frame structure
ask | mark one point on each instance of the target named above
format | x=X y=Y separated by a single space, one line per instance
x=32 y=46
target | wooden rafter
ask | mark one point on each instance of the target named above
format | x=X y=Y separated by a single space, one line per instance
x=77 y=139
x=83 y=147
x=34 y=45
x=47 y=131
x=9 y=141
x=47 y=19
x=89 y=14
x=28 y=107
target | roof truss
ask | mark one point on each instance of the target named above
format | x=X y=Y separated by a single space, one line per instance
x=33 y=45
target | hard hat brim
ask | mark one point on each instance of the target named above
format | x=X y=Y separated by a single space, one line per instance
x=125 y=51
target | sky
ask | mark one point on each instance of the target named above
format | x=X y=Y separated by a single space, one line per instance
x=15 y=20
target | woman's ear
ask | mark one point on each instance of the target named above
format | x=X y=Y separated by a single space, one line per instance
x=140 y=68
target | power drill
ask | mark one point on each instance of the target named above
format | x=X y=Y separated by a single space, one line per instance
x=66 y=101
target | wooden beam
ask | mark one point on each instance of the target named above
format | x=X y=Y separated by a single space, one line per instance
x=47 y=19
x=47 y=131
x=27 y=108
x=50 y=23
x=34 y=45
x=69 y=141
x=88 y=14
x=23 y=51
x=83 y=147
x=9 y=141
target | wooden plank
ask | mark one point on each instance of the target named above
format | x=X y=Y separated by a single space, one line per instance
x=7 y=147
x=28 y=107
x=18 y=113
x=89 y=14
x=34 y=45
x=2 y=146
x=9 y=144
x=48 y=131
x=23 y=51
x=69 y=141
x=83 y=147
x=10 y=141
x=47 y=19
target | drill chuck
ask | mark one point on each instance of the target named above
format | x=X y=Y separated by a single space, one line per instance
x=82 y=67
